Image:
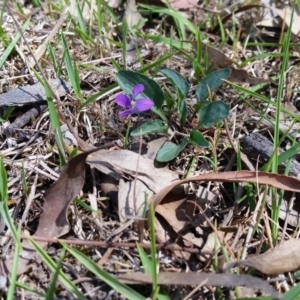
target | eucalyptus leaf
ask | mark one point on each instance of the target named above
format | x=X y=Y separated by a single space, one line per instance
x=170 y=150
x=211 y=83
x=177 y=80
x=156 y=126
x=212 y=112
x=129 y=79
x=198 y=139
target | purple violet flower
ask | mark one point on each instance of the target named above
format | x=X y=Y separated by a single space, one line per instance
x=131 y=104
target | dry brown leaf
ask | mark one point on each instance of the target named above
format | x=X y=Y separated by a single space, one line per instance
x=169 y=228
x=220 y=61
x=180 y=222
x=120 y=162
x=234 y=11
x=53 y=221
x=193 y=278
x=132 y=15
x=179 y=212
x=114 y=3
x=132 y=194
x=281 y=259
x=86 y=9
x=289 y=208
x=183 y=4
x=275 y=180
x=269 y=18
x=153 y=147
x=286 y=15
x=290 y=107
x=132 y=197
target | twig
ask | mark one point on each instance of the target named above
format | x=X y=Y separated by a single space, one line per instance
x=112 y=244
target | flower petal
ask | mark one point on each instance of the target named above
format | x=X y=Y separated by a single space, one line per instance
x=123 y=100
x=143 y=104
x=139 y=88
x=126 y=112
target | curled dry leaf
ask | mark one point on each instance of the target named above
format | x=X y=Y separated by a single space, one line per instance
x=220 y=61
x=234 y=11
x=179 y=221
x=275 y=180
x=132 y=197
x=166 y=204
x=286 y=16
x=147 y=178
x=53 y=221
x=125 y=162
x=193 y=278
x=281 y=259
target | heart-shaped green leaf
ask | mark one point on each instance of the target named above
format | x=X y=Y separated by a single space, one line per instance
x=212 y=112
x=177 y=80
x=156 y=126
x=170 y=150
x=128 y=79
x=211 y=83
x=198 y=139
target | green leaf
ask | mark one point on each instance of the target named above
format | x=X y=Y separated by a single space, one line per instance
x=71 y=68
x=146 y=261
x=211 y=83
x=198 y=139
x=11 y=46
x=297 y=275
x=150 y=267
x=52 y=287
x=183 y=112
x=212 y=112
x=154 y=272
x=3 y=182
x=5 y=214
x=156 y=126
x=293 y=293
x=4 y=210
x=170 y=150
x=55 y=122
x=128 y=79
x=177 y=80
x=14 y=272
x=170 y=101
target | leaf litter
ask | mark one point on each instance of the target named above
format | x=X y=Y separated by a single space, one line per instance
x=53 y=221
x=281 y=259
x=195 y=278
x=137 y=180
x=148 y=179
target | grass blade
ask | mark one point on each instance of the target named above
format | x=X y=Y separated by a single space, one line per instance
x=103 y=275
